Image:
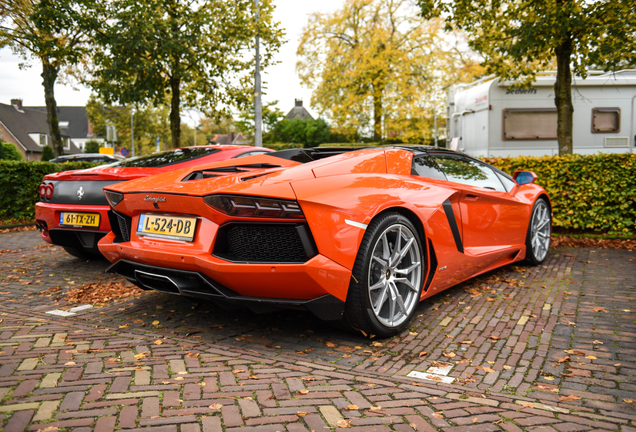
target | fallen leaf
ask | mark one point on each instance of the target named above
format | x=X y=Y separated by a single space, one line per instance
x=216 y=406
x=489 y=370
x=569 y=398
x=475 y=420
x=629 y=401
x=235 y=371
x=301 y=414
x=304 y=392
x=596 y=342
x=548 y=378
x=495 y=338
x=599 y=309
x=449 y=354
x=527 y=405
x=182 y=373
x=140 y=356
x=506 y=367
x=564 y=359
x=423 y=353
x=343 y=423
x=179 y=378
x=353 y=407
x=468 y=342
x=413 y=333
x=439 y=415
x=308 y=379
x=155 y=322
x=71 y=363
x=158 y=342
x=193 y=355
x=252 y=376
x=575 y=352
x=591 y=357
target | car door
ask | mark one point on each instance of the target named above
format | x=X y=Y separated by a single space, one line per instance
x=492 y=219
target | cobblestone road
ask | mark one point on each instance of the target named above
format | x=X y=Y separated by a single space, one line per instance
x=551 y=348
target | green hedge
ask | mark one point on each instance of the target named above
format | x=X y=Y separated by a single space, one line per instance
x=588 y=192
x=19 y=184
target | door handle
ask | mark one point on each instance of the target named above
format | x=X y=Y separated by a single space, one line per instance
x=471 y=197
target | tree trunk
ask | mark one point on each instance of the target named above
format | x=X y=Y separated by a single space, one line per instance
x=563 y=96
x=49 y=75
x=175 y=118
x=377 y=115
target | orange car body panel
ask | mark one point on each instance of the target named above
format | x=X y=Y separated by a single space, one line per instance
x=336 y=195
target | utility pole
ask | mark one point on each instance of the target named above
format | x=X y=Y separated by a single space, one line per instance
x=132 y=132
x=435 y=127
x=258 y=109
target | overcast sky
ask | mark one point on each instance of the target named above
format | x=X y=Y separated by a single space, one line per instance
x=282 y=82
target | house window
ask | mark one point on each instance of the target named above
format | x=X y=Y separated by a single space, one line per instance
x=606 y=120
x=44 y=140
x=529 y=124
x=67 y=143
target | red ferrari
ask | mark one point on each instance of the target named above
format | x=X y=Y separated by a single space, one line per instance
x=73 y=212
x=358 y=236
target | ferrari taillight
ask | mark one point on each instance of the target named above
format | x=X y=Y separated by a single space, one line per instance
x=48 y=191
x=242 y=206
x=42 y=191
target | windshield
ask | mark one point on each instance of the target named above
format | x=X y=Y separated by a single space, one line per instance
x=166 y=158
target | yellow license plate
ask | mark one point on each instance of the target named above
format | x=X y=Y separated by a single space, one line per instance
x=84 y=220
x=166 y=227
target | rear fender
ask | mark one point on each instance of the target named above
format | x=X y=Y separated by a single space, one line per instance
x=338 y=209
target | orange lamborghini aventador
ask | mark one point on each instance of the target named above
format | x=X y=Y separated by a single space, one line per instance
x=360 y=236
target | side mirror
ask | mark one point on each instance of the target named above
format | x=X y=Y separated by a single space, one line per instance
x=524 y=177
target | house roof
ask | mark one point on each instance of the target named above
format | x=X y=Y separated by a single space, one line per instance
x=76 y=118
x=20 y=123
x=298 y=111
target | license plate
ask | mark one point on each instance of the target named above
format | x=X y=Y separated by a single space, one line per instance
x=166 y=227
x=85 y=220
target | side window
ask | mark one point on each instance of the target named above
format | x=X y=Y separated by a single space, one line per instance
x=469 y=172
x=529 y=124
x=508 y=183
x=425 y=166
x=606 y=120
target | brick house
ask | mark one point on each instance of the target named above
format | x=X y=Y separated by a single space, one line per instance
x=28 y=130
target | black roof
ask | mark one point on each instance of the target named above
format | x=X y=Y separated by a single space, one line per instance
x=20 y=123
x=76 y=118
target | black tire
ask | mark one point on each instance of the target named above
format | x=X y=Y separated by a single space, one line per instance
x=373 y=310
x=539 y=231
x=82 y=253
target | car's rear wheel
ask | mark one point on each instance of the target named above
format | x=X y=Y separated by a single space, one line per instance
x=539 y=231
x=386 y=282
x=82 y=253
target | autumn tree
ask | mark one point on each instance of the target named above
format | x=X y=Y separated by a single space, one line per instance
x=376 y=65
x=51 y=31
x=149 y=123
x=184 y=53
x=271 y=116
x=519 y=38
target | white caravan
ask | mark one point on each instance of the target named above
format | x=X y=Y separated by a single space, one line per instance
x=490 y=117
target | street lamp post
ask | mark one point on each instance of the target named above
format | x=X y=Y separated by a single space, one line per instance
x=258 y=109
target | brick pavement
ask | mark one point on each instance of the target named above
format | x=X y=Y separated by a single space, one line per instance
x=161 y=363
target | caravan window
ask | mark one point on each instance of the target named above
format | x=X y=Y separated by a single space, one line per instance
x=529 y=124
x=606 y=120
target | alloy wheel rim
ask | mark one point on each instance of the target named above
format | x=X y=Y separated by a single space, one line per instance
x=540 y=231
x=394 y=275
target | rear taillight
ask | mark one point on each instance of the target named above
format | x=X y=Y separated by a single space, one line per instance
x=243 y=206
x=48 y=191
